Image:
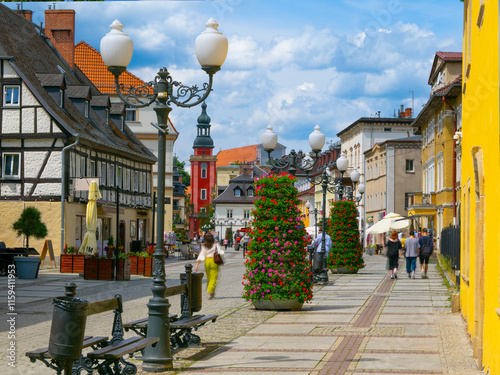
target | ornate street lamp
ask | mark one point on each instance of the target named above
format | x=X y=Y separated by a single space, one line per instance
x=314 y=211
x=116 y=50
x=293 y=161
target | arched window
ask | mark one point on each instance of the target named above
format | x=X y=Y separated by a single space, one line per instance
x=203 y=170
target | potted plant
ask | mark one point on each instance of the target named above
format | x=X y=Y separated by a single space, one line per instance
x=148 y=263
x=277 y=273
x=134 y=262
x=71 y=261
x=98 y=268
x=123 y=267
x=346 y=254
x=29 y=224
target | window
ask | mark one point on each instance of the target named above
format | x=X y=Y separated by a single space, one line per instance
x=136 y=181
x=407 y=200
x=203 y=170
x=119 y=176
x=387 y=129
x=229 y=213
x=61 y=98
x=83 y=172
x=103 y=174
x=87 y=107
x=11 y=165
x=107 y=116
x=250 y=192
x=409 y=165
x=237 y=192
x=246 y=214
x=130 y=114
x=111 y=179
x=92 y=168
x=11 y=95
x=203 y=194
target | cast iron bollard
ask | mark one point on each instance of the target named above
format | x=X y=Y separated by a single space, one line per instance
x=68 y=328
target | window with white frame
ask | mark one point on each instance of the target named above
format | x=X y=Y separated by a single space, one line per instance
x=246 y=214
x=204 y=170
x=83 y=172
x=203 y=194
x=103 y=174
x=250 y=192
x=440 y=122
x=120 y=177
x=111 y=175
x=237 y=192
x=11 y=95
x=92 y=168
x=130 y=114
x=11 y=167
x=136 y=181
x=229 y=213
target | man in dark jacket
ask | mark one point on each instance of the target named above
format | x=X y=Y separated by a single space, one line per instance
x=425 y=242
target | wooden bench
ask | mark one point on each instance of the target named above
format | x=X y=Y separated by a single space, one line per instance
x=181 y=328
x=107 y=355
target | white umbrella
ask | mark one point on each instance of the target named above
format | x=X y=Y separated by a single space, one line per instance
x=311 y=231
x=89 y=243
x=389 y=223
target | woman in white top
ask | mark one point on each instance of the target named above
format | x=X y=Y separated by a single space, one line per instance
x=207 y=254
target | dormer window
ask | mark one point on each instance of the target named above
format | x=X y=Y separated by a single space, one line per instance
x=237 y=192
x=130 y=114
x=87 y=108
x=250 y=192
x=11 y=95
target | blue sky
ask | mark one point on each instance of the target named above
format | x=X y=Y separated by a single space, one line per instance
x=292 y=64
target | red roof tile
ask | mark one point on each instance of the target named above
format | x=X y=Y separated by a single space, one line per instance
x=90 y=63
x=449 y=55
x=246 y=154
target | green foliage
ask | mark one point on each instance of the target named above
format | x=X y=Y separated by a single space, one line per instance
x=111 y=241
x=71 y=250
x=30 y=224
x=186 y=178
x=346 y=250
x=229 y=234
x=277 y=265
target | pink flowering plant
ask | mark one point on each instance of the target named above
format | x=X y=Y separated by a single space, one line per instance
x=277 y=264
x=346 y=250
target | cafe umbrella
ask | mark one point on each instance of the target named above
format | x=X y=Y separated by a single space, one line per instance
x=89 y=243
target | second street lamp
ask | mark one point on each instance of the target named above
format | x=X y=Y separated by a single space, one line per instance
x=116 y=50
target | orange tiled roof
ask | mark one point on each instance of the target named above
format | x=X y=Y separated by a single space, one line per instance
x=90 y=63
x=240 y=154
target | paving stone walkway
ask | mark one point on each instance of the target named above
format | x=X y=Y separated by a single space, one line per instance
x=357 y=324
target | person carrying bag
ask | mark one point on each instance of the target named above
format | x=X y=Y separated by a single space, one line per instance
x=210 y=252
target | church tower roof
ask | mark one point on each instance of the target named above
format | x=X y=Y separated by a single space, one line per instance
x=203 y=139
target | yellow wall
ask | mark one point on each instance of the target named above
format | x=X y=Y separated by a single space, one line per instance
x=480 y=268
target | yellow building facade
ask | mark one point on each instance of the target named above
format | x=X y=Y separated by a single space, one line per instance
x=480 y=225
x=438 y=202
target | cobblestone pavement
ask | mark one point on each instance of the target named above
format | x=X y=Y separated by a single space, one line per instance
x=363 y=323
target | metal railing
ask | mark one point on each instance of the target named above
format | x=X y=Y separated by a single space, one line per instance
x=450 y=245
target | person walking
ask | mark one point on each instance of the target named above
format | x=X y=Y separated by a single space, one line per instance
x=226 y=242
x=393 y=247
x=208 y=249
x=246 y=241
x=426 y=249
x=411 y=253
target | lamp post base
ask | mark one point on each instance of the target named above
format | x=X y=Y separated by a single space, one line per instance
x=159 y=357
x=323 y=277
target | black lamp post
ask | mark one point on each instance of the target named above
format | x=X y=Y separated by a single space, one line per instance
x=116 y=50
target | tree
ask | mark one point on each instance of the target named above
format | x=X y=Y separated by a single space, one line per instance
x=30 y=225
x=346 y=251
x=186 y=178
x=277 y=265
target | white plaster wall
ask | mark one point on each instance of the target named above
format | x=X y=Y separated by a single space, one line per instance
x=10 y=121
x=7 y=143
x=27 y=189
x=28 y=97
x=53 y=167
x=43 y=121
x=9 y=72
x=11 y=189
x=48 y=189
x=28 y=120
x=41 y=143
x=33 y=162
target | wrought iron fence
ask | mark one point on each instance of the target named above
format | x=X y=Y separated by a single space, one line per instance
x=450 y=245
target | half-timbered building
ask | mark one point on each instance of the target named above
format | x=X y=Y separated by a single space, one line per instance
x=56 y=133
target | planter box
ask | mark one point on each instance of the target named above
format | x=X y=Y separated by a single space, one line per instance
x=72 y=263
x=291 y=304
x=123 y=269
x=98 y=269
x=148 y=266
x=134 y=265
x=27 y=267
x=343 y=270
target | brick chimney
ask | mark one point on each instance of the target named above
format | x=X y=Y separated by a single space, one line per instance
x=60 y=28
x=246 y=169
x=28 y=14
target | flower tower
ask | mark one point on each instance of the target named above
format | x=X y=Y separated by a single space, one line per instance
x=346 y=254
x=277 y=267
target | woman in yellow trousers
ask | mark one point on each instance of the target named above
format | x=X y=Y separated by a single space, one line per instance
x=207 y=254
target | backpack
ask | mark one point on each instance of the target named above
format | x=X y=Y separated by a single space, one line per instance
x=426 y=249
